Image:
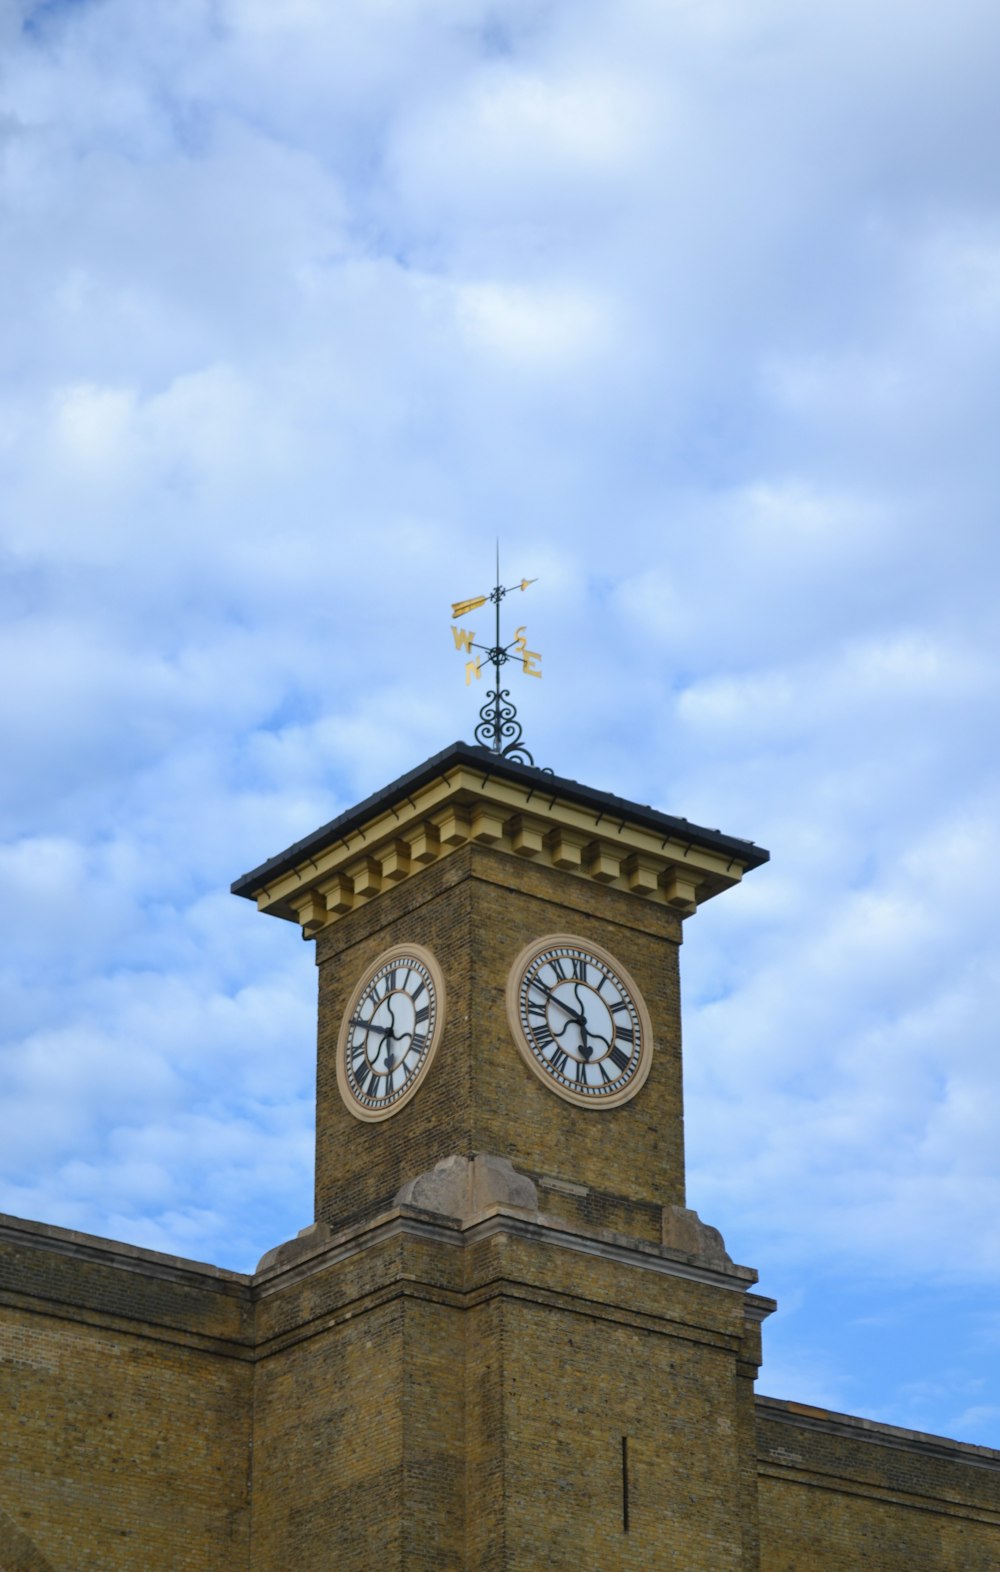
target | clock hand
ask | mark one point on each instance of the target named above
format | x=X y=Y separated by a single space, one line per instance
x=585 y=1047
x=574 y=1015
x=392 y=1035
x=370 y=1026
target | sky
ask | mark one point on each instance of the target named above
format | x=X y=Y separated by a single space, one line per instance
x=693 y=304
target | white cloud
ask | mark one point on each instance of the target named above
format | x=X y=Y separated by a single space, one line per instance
x=536 y=329
x=306 y=305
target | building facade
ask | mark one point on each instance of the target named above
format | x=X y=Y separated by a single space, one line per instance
x=504 y=1342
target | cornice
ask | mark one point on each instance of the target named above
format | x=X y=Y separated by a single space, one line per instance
x=469 y=798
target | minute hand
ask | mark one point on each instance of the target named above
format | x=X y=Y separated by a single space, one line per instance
x=370 y=1026
x=574 y=1015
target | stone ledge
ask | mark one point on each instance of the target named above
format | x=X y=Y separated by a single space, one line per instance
x=29 y=1235
x=872 y=1430
x=408 y=1219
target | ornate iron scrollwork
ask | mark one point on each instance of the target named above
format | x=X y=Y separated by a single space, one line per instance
x=500 y=729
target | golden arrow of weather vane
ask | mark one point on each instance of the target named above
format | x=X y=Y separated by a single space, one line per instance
x=498 y=726
x=461 y=608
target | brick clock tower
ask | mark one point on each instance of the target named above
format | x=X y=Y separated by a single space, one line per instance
x=505 y=1344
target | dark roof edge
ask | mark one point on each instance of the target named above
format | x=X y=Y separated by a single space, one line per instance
x=458 y=753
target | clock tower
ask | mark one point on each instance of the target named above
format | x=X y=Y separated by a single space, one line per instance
x=505 y=1342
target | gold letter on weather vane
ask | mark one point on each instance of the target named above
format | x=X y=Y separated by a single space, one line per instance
x=527 y=656
x=472 y=670
x=463 y=640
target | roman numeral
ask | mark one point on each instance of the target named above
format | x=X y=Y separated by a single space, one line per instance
x=618 y=1059
x=391 y=979
x=558 y=968
x=418 y=1044
x=621 y=1005
x=624 y=1034
x=422 y=1014
x=581 y=1072
x=579 y=968
x=373 y=1084
x=542 y=1035
x=559 y=1061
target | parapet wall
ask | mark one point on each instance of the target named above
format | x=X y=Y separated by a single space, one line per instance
x=125 y=1407
x=837 y=1492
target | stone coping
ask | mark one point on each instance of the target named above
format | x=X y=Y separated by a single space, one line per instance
x=112 y=1252
x=308 y=1254
x=318 y=1244
x=872 y=1430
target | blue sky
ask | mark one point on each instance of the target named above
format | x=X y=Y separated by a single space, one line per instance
x=697 y=307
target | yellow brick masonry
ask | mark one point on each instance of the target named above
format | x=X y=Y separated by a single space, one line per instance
x=836 y=1491
x=418 y=1393
x=476 y=911
x=125 y=1387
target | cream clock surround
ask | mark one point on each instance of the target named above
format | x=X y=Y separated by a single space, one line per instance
x=390 y=1032
x=579 y=1021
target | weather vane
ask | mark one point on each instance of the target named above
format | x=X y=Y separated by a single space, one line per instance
x=498 y=726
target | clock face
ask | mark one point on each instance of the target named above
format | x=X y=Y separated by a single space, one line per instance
x=390 y=1032
x=579 y=1021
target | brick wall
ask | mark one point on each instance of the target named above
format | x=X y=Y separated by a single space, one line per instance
x=424 y=1395
x=125 y=1381
x=475 y=912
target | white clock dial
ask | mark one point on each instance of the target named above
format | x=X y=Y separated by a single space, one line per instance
x=579 y=1021
x=390 y=1032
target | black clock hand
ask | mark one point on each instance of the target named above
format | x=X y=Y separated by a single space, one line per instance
x=574 y=1015
x=370 y=1026
x=389 y=1056
x=585 y=1047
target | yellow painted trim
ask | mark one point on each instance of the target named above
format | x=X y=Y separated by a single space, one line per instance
x=512 y=817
